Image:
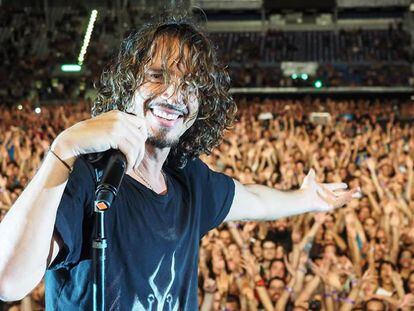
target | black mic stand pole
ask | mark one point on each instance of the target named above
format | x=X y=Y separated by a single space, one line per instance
x=104 y=196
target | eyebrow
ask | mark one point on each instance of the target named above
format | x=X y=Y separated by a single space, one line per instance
x=172 y=71
x=155 y=69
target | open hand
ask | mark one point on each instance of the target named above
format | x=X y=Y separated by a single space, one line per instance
x=323 y=197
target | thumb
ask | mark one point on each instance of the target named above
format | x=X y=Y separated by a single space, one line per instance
x=308 y=178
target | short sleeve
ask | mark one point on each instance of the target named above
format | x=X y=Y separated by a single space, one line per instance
x=74 y=208
x=216 y=191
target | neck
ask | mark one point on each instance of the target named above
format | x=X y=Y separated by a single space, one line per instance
x=151 y=168
x=154 y=159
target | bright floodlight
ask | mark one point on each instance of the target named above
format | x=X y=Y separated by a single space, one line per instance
x=70 y=68
x=304 y=76
x=20 y=107
x=38 y=110
x=294 y=76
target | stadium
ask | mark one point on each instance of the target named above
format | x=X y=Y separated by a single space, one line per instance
x=324 y=93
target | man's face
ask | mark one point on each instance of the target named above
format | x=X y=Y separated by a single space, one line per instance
x=277 y=269
x=269 y=250
x=276 y=288
x=168 y=110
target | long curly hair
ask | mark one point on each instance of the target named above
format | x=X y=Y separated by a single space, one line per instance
x=204 y=74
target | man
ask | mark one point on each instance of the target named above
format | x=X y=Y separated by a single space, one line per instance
x=276 y=288
x=172 y=105
x=269 y=253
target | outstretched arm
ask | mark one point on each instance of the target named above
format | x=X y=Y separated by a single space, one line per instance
x=257 y=202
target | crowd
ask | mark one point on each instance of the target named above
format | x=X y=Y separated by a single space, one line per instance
x=32 y=49
x=356 y=258
x=344 y=46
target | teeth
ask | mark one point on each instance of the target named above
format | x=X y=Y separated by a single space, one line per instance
x=164 y=115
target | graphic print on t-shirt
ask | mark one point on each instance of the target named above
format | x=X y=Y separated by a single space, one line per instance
x=159 y=297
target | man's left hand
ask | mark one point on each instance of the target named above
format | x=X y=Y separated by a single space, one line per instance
x=324 y=197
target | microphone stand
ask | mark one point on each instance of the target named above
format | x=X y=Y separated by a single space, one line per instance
x=104 y=196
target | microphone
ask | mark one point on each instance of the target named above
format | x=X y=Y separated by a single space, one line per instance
x=113 y=162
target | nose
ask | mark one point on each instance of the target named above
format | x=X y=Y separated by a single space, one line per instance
x=169 y=91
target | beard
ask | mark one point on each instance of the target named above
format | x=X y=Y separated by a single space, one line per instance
x=160 y=139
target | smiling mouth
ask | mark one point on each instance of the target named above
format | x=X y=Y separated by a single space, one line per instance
x=166 y=114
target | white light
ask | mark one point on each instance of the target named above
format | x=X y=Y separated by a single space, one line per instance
x=70 y=68
x=20 y=107
x=87 y=37
x=38 y=110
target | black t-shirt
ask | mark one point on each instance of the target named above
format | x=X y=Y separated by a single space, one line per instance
x=153 y=240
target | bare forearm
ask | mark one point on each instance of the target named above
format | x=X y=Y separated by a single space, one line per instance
x=395 y=244
x=284 y=298
x=208 y=302
x=27 y=229
x=309 y=289
x=376 y=184
x=252 y=304
x=310 y=235
x=264 y=298
x=374 y=203
x=339 y=241
x=329 y=303
x=354 y=250
x=278 y=204
x=351 y=300
x=409 y=185
x=236 y=234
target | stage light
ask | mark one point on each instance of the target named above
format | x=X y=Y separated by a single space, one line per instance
x=294 y=76
x=87 y=37
x=304 y=76
x=19 y=107
x=38 y=110
x=318 y=84
x=70 y=68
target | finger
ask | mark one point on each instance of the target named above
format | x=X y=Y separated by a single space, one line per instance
x=328 y=193
x=354 y=193
x=335 y=186
x=137 y=122
x=136 y=147
x=308 y=178
x=343 y=199
x=127 y=148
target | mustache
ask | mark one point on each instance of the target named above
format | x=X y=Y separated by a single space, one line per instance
x=182 y=108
